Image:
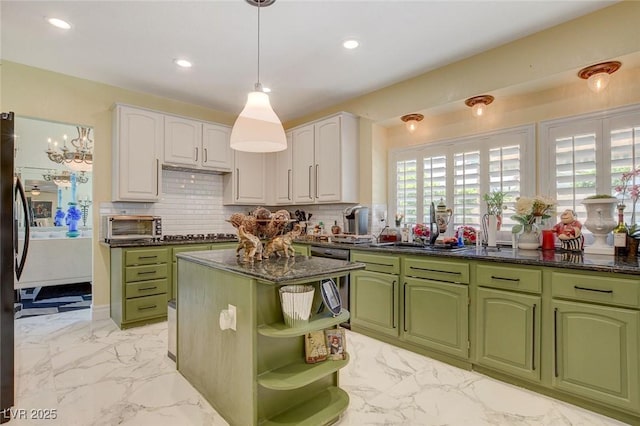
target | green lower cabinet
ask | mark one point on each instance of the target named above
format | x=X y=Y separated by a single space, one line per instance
x=436 y=315
x=301 y=249
x=596 y=353
x=507 y=335
x=374 y=301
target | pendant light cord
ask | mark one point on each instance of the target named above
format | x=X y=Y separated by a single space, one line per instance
x=258 y=85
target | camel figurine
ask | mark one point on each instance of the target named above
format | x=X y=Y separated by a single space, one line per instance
x=251 y=245
x=282 y=245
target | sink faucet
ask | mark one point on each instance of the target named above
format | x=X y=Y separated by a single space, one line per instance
x=434 y=232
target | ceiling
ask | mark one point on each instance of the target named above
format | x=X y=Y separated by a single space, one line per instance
x=132 y=44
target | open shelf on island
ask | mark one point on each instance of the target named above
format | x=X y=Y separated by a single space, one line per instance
x=299 y=374
x=320 y=409
x=317 y=322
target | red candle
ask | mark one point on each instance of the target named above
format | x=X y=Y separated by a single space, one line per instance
x=548 y=239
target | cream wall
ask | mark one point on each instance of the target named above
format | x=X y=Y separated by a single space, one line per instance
x=46 y=95
x=609 y=33
x=551 y=55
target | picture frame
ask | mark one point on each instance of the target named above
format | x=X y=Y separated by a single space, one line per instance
x=336 y=344
x=315 y=347
x=42 y=209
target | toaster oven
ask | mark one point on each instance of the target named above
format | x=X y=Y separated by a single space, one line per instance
x=131 y=227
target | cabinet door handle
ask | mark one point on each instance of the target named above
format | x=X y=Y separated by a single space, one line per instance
x=144 y=308
x=310 y=168
x=147 y=288
x=577 y=287
x=555 y=342
x=393 y=304
x=196 y=153
x=493 y=277
x=206 y=155
x=157 y=177
x=316 y=181
x=404 y=303
x=434 y=270
x=237 y=184
x=533 y=340
x=289 y=172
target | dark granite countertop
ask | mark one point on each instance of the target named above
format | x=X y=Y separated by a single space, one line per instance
x=147 y=243
x=279 y=271
x=555 y=259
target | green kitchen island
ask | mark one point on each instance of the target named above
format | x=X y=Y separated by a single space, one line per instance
x=256 y=374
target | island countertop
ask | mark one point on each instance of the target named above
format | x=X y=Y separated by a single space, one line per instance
x=277 y=271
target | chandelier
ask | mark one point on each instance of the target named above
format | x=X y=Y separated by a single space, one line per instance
x=78 y=158
x=63 y=178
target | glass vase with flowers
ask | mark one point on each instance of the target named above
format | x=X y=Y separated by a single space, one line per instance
x=627 y=184
x=531 y=212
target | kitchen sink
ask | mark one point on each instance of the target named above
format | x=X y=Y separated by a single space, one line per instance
x=417 y=246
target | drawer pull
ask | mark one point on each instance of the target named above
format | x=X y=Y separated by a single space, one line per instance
x=155 y=256
x=146 y=272
x=435 y=270
x=593 y=289
x=148 y=288
x=493 y=277
x=380 y=264
x=144 y=308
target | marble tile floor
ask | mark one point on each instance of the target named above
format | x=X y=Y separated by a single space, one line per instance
x=92 y=373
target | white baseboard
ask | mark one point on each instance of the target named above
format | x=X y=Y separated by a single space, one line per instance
x=100 y=312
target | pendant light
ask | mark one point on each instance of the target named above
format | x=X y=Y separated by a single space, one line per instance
x=258 y=128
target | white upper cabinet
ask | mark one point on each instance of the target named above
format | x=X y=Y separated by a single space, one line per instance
x=325 y=161
x=194 y=144
x=282 y=173
x=137 y=151
x=216 y=151
x=182 y=141
x=246 y=184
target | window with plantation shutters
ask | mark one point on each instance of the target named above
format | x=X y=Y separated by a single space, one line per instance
x=466 y=188
x=406 y=190
x=587 y=155
x=459 y=172
x=434 y=182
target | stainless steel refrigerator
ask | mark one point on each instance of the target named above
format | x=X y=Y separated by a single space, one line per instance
x=13 y=219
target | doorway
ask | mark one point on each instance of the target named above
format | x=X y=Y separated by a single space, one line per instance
x=54 y=160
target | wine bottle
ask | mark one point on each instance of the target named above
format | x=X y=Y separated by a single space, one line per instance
x=620 y=233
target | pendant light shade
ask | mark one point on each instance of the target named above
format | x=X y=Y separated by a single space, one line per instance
x=258 y=128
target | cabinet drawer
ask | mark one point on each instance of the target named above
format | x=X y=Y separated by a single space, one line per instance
x=520 y=279
x=439 y=270
x=378 y=263
x=596 y=288
x=182 y=249
x=145 y=307
x=146 y=288
x=145 y=272
x=145 y=257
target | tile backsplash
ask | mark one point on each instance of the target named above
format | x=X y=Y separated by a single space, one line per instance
x=192 y=204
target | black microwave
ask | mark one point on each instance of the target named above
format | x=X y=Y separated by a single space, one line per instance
x=131 y=227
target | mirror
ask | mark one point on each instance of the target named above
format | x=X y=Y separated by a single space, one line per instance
x=48 y=183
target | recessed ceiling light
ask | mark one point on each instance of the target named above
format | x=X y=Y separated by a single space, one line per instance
x=59 y=23
x=351 y=44
x=183 y=63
